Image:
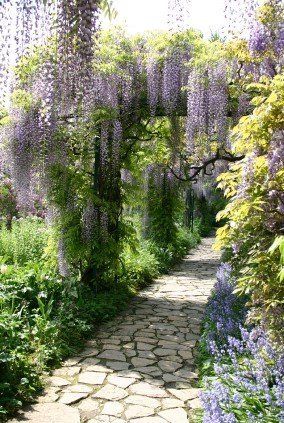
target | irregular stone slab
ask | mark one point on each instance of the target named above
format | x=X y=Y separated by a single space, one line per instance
x=169 y=344
x=117 y=365
x=111 y=347
x=129 y=373
x=187 y=374
x=89 y=352
x=121 y=382
x=141 y=362
x=67 y=371
x=111 y=392
x=169 y=377
x=169 y=366
x=59 y=381
x=174 y=415
x=98 y=368
x=146 y=401
x=92 y=378
x=143 y=346
x=172 y=403
x=155 y=419
x=72 y=397
x=185 y=394
x=185 y=354
x=163 y=327
x=50 y=413
x=79 y=388
x=89 y=405
x=113 y=340
x=90 y=361
x=189 y=344
x=146 y=340
x=164 y=351
x=112 y=355
x=195 y=403
x=150 y=370
x=134 y=411
x=72 y=361
x=130 y=353
x=144 y=388
x=50 y=394
x=172 y=338
x=113 y=408
x=146 y=354
x=107 y=419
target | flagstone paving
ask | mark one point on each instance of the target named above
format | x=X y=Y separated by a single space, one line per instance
x=139 y=368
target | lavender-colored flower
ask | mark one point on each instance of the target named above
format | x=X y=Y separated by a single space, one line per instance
x=259 y=38
x=246 y=367
x=153 y=84
x=171 y=90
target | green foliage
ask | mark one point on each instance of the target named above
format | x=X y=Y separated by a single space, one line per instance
x=207 y=211
x=140 y=265
x=249 y=214
x=24 y=243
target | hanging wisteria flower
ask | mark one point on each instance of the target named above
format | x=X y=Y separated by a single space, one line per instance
x=171 y=82
x=153 y=84
x=259 y=39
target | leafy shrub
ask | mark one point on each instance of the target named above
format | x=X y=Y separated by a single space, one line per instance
x=168 y=255
x=255 y=214
x=140 y=266
x=25 y=242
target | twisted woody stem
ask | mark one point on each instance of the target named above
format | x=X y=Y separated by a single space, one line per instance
x=192 y=171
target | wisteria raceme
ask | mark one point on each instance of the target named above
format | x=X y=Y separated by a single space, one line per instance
x=276 y=153
x=247 y=175
x=207 y=105
x=197 y=108
x=240 y=15
x=171 y=89
x=243 y=105
x=22 y=155
x=259 y=38
x=126 y=176
x=116 y=143
x=217 y=102
x=62 y=261
x=127 y=88
x=77 y=23
x=153 y=84
x=89 y=220
x=104 y=147
x=279 y=43
x=24 y=24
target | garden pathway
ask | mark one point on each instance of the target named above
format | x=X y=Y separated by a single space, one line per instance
x=140 y=367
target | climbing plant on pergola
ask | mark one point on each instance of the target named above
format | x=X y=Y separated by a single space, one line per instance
x=84 y=102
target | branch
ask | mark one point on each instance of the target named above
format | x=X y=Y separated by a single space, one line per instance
x=197 y=169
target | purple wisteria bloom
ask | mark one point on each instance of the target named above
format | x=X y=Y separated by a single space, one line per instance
x=259 y=39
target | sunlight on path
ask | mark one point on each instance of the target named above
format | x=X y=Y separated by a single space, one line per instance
x=140 y=367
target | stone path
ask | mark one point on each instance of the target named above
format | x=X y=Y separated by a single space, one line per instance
x=140 y=367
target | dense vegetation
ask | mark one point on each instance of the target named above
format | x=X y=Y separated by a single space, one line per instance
x=117 y=153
